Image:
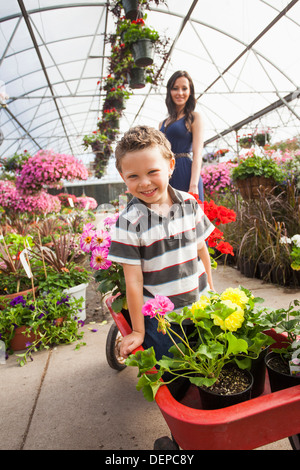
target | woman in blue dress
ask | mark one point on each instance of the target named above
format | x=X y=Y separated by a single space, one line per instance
x=184 y=130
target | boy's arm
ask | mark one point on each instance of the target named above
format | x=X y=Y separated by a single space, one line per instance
x=205 y=258
x=134 y=296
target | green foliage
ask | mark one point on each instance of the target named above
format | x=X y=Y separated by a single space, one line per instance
x=51 y=317
x=224 y=332
x=258 y=166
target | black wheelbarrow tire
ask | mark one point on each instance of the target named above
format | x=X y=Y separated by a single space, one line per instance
x=113 y=340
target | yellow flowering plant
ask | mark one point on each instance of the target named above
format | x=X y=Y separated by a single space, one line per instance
x=222 y=329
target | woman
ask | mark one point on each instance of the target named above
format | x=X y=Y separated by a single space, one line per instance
x=184 y=129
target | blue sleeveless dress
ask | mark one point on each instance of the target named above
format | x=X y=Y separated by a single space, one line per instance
x=181 y=142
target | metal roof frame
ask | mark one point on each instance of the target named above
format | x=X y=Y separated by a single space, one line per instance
x=29 y=127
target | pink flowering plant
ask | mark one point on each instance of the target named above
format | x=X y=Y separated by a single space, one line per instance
x=15 y=202
x=225 y=331
x=217 y=178
x=110 y=276
x=48 y=168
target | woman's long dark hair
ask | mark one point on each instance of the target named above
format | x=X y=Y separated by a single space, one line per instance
x=190 y=104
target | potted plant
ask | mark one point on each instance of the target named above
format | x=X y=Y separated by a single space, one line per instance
x=96 y=140
x=141 y=39
x=115 y=97
x=61 y=271
x=246 y=142
x=262 y=137
x=223 y=334
x=111 y=117
x=132 y=7
x=14 y=163
x=48 y=168
x=14 y=279
x=33 y=324
x=283 y=363
x=108 y=275
x=256 y=172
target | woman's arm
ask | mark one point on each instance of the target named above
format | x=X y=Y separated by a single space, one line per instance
x=134 y=296
x=197 y=131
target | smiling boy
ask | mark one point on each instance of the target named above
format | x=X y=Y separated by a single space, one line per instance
x=158 y=238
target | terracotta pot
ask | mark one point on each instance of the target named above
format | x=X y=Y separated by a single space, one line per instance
x=4 y=299
x=19 y=340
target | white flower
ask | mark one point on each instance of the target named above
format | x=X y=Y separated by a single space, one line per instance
x=285 y=239
x=296 y=240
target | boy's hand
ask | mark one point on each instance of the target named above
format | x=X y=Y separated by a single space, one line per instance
x=131 y=342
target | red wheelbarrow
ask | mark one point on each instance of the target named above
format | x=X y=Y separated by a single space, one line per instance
x=245 y=426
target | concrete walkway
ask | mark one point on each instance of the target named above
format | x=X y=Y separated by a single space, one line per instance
x=72 y=400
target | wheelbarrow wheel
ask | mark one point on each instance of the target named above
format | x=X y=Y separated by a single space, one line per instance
x=113 y=341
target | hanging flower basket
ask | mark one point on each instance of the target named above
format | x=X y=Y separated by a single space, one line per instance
x=97 y=146
x=246 y=142
x=261 y=139
x=255 y=186
x=137 y=78
x=142 y=52
x=130 y=8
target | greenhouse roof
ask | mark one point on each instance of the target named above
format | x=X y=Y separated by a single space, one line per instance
x=243 y=57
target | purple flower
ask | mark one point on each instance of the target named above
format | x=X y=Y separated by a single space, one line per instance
x=63 y=300
x=18 y=300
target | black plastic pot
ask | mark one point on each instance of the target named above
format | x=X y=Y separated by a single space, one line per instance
x=264 y=270
x=279 y=380
x=258 y=370
x=137 y=78
x=142 y=52
x=213 y=401
x=249 y=268
x=130 y=9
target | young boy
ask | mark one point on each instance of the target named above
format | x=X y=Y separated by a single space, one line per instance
x=158 y=237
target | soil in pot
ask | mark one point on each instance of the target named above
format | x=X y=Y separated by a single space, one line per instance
x=233 y=386
x=279 y=373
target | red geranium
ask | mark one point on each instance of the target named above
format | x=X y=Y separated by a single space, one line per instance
x=218 y=215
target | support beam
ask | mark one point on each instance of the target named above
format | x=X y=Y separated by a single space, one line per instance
x=21 y=126
x=29 y=27
x=277 y=104
x=278 y=17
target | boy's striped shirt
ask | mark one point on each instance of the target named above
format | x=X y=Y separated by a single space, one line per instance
x=164 y=247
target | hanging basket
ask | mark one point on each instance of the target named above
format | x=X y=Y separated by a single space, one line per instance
x=97 y=146
x=130 y=9
x=137 y=78
x=255 y=187
x=142 y=52
x=262 y=139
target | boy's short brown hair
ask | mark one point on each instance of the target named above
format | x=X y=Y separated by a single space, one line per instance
x=140 y=138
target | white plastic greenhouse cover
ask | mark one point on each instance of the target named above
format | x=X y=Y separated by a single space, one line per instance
x=243 y=56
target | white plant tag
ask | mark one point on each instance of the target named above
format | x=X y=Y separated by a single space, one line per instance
x=87 y=206
x=295 y=367
x=71 y=201
x=24 y=263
